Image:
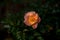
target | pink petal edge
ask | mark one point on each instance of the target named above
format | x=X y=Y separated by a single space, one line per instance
x=35 y=26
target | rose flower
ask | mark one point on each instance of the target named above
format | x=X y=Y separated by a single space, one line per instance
x=32 y=19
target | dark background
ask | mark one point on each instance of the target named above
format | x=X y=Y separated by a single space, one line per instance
x=48 y=10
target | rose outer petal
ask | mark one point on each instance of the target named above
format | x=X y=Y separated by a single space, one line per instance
x=35 y=26
x=26 y=23
x=39 y=19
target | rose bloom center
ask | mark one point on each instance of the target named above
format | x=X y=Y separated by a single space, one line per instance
x=32 y=19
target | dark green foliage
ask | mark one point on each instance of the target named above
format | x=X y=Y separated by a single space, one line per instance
x=48 y=10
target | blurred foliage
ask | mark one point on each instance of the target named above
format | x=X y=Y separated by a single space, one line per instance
x=48 y=10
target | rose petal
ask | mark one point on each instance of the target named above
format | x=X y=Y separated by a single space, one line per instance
x=26 y=23
x=34 y=26
x=39 y=19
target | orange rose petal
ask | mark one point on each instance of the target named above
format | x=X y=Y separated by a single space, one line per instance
x=26 y=23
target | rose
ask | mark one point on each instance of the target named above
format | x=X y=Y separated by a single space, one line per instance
x=32 y=19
